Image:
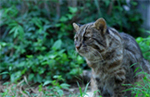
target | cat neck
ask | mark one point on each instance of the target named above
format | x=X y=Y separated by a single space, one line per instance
x=96 y=63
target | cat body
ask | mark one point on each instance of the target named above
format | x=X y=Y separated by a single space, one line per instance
x=110 y=55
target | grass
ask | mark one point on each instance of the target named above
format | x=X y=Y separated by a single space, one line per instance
x=83 y=93
x=21 y=89
x=55 y=89
x=142 y=87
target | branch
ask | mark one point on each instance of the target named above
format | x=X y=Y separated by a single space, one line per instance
x=110 y=7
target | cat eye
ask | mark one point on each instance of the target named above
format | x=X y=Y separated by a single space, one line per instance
x=86 y=38
x=76 y=38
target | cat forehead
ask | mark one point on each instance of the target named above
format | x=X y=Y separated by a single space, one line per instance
x=84 y=28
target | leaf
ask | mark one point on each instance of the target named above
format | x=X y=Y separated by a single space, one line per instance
x=40 y=88
x=15 y=76
x=21 y=32
x=80 y=60
x=139 y=39
x=12 y=30
x=57 y=76
x=51 y=56
x=73 y=9
x=86 y=88
x=37 y=22
x=31 y=76
x=4 y=73
x=107 y=2
x=63 y=19
x=133 y=64
x=147 y=95
x=60 y=92
x=61 y=52
x=136 y=69
x=38 y=78
x=29 y=56
x=65 y=86
x=80 y=89
x=134 y=3
x=57 y=45
x=47 y=82
x=3 y=43
x=148 y=31
x=74 y=71
x=46 y=27
x=16 y=32
x=70 y=16
x=137 y=94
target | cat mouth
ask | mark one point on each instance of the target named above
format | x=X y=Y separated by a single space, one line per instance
x=85 y=52
x=82 y=50
x=89 y=52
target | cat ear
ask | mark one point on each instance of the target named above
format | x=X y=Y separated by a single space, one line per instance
x=76 y=27
x=100 y=24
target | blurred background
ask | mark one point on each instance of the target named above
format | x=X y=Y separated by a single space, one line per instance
x=36 y=39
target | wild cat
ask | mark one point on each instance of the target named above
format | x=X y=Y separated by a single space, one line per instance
x=111 y=56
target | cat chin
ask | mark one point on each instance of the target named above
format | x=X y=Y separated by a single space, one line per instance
x=87 y=55
x=82 y=52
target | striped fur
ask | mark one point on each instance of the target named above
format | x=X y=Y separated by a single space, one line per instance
x=110 y=55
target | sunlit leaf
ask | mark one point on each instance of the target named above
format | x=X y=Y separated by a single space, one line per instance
x=60 y=92
x=31 y=76
x=65 y=86
x=73 y=9
x=63 y=19
x=47 y=82
x=15 y=76
x=57 y=45
x=148 y=31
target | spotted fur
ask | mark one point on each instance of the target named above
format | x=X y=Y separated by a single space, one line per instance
x=110 y=55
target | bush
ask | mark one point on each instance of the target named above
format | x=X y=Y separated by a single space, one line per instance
x=144 y=44
x=37 y=36
x=32 y=46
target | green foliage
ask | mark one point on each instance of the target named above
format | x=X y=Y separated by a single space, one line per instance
x=36 y=39
x=115 y=14
x=31 y=45
x=141 y=88
x=53 y=90
x=144 y=44
x=83 y=93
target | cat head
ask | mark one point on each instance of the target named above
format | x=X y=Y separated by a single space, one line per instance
x=89 y=39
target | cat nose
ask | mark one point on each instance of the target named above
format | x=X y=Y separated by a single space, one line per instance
x=78 y=46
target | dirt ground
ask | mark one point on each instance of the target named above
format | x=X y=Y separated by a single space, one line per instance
x=18 y=89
